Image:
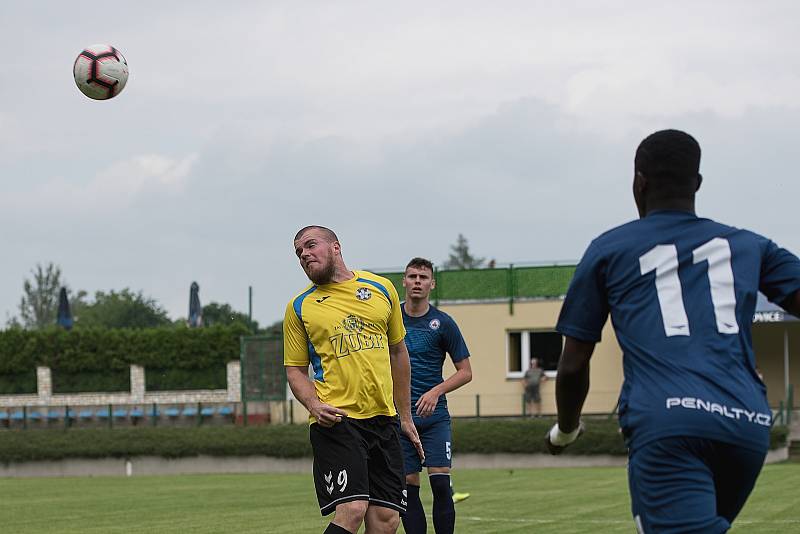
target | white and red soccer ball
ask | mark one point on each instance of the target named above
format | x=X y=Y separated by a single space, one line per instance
x=100 y=71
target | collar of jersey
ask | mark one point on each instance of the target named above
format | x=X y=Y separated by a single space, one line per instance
x=334 y=284
x=671 y=213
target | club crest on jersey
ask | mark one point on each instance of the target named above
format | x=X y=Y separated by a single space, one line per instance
x=353 y=323
x=434 y=324
x=363 y=293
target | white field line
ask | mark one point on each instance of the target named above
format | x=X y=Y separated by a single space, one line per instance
x=609 y=521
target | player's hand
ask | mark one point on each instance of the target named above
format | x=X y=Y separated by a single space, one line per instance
x=427 y=403
x=556 y=440
x=326 y=415
x=408 y=428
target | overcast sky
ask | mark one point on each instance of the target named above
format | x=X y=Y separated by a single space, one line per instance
x=399 y=125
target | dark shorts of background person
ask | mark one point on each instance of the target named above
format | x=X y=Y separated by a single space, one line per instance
x=532 y=394
x=690 y=485
x=359 y=460
x=436 y=437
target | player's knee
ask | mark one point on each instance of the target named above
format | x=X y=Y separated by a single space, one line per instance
x=351 y=514
x=392 y=522
x=413 y=479
x=380 y=519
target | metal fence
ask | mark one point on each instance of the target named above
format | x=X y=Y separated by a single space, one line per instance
x=263 y=377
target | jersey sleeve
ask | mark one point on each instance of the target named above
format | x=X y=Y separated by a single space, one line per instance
x=780 y=273
x=585 y=307
x=395 y=329
x=454 y=342
x=295 y=341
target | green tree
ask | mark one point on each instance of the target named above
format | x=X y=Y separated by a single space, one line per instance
x=215 y=313
x=119 y=309
x=275 y=328
x=39 y=305
x=460 y=257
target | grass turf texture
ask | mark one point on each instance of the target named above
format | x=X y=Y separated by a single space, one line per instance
x=503 y=501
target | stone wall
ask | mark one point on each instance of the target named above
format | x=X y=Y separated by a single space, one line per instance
x=136 y=395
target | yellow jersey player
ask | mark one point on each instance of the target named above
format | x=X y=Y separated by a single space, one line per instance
x=348 y=325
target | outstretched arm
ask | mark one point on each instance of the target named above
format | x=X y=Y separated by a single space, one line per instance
x=427 y=401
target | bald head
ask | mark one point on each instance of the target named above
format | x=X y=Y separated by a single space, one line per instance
x=326 y=233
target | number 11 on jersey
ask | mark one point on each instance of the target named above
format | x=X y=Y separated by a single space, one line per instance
x=663 y=259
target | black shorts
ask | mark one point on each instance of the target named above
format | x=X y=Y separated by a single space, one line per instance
x=359 y=460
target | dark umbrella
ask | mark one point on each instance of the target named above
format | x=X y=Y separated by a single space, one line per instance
x=195 y=309
x=64 y=314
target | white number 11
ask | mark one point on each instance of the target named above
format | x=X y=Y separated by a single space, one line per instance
x=663 y=259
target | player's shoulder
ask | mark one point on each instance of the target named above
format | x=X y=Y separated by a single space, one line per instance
x=297 y=300
x=367 y=275
x=441 y=318
x=383 y=284
x=437 y=313
x=708 y=228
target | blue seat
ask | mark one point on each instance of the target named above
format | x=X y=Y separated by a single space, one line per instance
x=86 y=414
x=189 y=411
x=18 y=416
x=71 y=413
x=34 y=416
x=102 y=413
x=3 y=416
x=172 y=412
x=137 y=412
x=208 y=411
x=54 y=414
x=121 y=412
x=225 y=410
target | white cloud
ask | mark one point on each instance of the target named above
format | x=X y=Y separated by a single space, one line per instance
x=147 y=172
x=112 y=189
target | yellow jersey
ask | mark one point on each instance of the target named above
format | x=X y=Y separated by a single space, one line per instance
x=344 y=331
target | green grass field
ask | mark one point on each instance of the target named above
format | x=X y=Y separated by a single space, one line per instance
x=544 y=500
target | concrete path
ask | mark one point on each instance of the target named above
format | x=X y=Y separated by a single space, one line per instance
x=152 y=465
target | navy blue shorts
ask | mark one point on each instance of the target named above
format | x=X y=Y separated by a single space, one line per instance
x=434 y=432
x=690 y=485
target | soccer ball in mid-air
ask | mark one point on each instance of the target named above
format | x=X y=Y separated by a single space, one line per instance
x=100 y=71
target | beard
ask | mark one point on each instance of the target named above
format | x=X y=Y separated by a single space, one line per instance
x=325 y=273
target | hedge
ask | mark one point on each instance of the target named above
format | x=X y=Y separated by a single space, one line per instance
x=288 y=441
x=99 y=359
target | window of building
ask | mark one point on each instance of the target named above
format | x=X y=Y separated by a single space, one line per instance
x=526 y=344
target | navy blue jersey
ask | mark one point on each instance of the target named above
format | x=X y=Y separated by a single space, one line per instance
x=681 y=292
x=428 y=338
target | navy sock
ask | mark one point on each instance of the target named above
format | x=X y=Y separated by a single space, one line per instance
x=414 y=521
x=444 y=511
x=336 y=529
